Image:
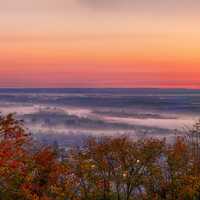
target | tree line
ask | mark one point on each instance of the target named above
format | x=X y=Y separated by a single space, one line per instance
x=107 y=168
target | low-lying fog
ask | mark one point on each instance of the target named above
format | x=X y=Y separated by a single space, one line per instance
x=68 y=118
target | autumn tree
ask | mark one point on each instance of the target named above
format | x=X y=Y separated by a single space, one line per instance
x=105 y=168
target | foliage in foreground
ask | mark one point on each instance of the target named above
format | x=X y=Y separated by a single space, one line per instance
x=104 y=169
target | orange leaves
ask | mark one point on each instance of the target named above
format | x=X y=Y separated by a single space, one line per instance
x=105 y=168
x=10 y=128
x=179 y=148
x=44 y=157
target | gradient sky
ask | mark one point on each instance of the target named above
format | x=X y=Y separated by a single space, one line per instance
x=100 y=43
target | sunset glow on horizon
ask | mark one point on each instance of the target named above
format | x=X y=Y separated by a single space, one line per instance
x=99 y=43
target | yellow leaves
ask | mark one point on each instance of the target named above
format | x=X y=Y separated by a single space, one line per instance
x=105 y=168
x=55 y=189
x=58 y=191
x=34 y=197
x=86 y=165
x=29 y=178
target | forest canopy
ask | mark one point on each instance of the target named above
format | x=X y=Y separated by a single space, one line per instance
x=105 y=168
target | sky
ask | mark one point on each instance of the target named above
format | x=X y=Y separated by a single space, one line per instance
x=100 y=43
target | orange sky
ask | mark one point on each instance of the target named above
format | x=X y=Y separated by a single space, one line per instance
x=85 y=43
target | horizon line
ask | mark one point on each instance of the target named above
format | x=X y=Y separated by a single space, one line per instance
x=104 y=88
